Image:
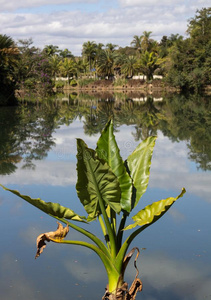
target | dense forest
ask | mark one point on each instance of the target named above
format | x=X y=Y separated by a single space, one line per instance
x=183 y=62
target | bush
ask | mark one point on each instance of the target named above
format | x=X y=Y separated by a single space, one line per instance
x=73 y=82
x=59 y=84
x=120 y=82
x=86 y=81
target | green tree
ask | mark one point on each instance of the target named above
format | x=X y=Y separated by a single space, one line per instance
x=129 y=66
x=68 y=68
x=105 y=63
x=9 y=55
x=51 y=50
x=33 y=71
x=66 y=53
x=146 y=41
x=89 y=52
x=82 y=66
x=136 y=43
x=189 y=60
x=54 y=62
x=148 y=63
x=26 y=61
x=111 y=47
x=199 y=27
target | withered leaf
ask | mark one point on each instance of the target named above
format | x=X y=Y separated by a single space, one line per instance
x=57 y=236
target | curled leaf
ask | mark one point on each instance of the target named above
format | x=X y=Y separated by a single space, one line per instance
x=136 y=285
x=57 y=236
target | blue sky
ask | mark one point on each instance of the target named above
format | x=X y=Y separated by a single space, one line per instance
x=70 y=23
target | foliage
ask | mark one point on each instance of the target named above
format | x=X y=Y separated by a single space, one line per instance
x=190 y=58
x=59 y=84
x=8 y=59
x=184 y=62
x=109 y=188
x=105 y=64
x=148 y=63
x=68 y=68
x=120 y=81
x=89 y=52
x=33 y=71
x=73 y=82
x=129 y=66
x=85 y=81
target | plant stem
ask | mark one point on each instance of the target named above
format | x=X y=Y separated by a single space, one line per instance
x=113 y=220
x=109 y=228
x=128 y=241
x=113 y=274
x=88 y=234
x=121 y=231
x=102 y=224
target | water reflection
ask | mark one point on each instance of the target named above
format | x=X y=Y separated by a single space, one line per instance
x=26 y=131
x=176 y=262
x=26 y=135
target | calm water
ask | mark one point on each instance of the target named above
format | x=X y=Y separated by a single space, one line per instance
x=37 y=157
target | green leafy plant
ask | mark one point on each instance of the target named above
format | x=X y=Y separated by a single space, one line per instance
x=73 y=82
x=108 y=189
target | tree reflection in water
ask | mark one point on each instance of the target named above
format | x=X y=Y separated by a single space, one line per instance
x=27 y=130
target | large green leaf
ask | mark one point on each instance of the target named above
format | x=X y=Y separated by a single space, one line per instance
x=96 y=182
x=139 y=163
x=108 y=150
x=153 y=212
x=50 y=208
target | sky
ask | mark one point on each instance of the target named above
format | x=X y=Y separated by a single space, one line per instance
x=70 y=23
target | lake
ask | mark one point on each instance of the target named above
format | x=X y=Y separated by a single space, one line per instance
x=38 y=158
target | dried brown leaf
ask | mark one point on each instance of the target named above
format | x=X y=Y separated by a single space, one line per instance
x=57 y=236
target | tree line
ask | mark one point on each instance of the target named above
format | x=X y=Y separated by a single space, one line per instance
x=183 y=62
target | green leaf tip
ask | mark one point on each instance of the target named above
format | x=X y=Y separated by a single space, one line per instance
x=108 y=150
x=153 y=212
x=50 y=208
x=139 y=163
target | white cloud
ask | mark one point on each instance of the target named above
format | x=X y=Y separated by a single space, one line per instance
x=149 y=2
x=177 y=277
x=89 y=272
x=18 y=285
x=71 y=26
x=14 y=5
x=159 y=273
x=47 y=173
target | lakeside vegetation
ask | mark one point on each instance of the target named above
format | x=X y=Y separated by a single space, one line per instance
x=184 y=63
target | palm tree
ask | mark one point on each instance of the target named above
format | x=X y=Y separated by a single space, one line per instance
x=100 y=46
x=148 y=63
x=81 y=66
x=89 y=51
x=68 y=68
x=105 y=63
x=66 y=53
x=54 y=62
x=110 y=47
x=129 y=66
x=146 y=41
x=8 y=55
x=136 y=43
x=8 y=59
x=51 y=50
